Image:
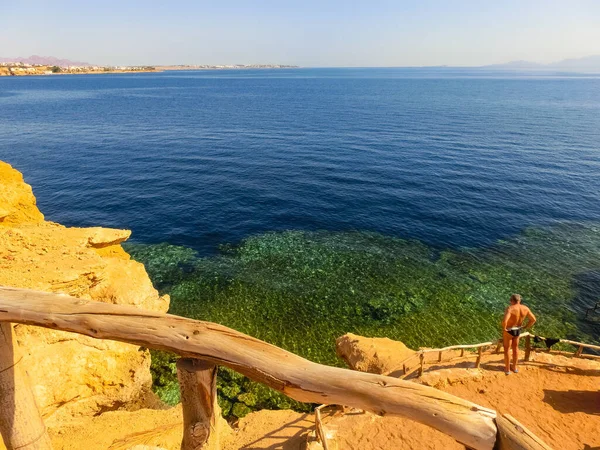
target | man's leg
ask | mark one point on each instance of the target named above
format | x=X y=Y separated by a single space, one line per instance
x=506 y=338
x=515 y=352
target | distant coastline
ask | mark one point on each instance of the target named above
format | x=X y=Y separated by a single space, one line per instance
x=25 y=69
x=226 y=67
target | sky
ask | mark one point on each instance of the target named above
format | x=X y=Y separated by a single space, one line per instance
x=309 y=33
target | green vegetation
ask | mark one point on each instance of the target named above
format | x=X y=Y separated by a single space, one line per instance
x=301 y=290
x=56 y=69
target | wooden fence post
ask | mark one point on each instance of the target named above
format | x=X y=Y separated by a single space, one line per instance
x=422 y=358
x=527 y=347
x=440 y=357
x=198 y=386
x=319 y=430
x=462 y=352
x=479 y=353
x=21 y=424
x=579 y=351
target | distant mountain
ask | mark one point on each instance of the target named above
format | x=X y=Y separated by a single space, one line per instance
x=515 y=65
x=585 y=64
x=44 y=60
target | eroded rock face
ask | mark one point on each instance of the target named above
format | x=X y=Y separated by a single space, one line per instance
x=17 y=203
x=73 y=374
x=374 y=355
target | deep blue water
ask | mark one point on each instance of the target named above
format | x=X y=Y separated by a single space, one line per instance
x=451 y=157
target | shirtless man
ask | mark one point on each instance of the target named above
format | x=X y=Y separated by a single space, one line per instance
x=512 y=324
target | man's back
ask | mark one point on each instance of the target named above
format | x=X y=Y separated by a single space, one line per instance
x=517 y=313
x=512 y=323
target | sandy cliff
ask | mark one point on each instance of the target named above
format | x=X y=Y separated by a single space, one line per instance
x=72 y=374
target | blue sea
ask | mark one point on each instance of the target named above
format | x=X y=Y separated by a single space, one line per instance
x=451 y=157
x=299 y=204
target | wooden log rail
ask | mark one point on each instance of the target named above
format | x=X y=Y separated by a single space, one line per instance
x=406 y=370
x=300 y=379
x=440 y=351
x=578 y=353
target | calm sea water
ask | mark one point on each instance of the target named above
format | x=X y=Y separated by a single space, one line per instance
x=451 y=157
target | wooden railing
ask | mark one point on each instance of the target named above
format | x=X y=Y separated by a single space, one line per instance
x=204 y=345
x=406 y=369
x=420 y=354
x=577 y=353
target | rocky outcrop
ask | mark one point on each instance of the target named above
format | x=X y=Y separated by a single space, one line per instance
x=73 y=374
x=374 y=355
x=17 y=203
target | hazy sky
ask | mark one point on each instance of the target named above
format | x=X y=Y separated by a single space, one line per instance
x=303 y=32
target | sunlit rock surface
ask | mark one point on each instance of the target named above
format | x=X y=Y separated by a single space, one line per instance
x=73 y=374
x=374 y=355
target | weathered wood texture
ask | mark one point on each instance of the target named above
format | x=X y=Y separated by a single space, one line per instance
x=527 y=348
x=512 y=435
x=479 y=355
x=468 y=423
x=457 y=347
x=21 y=425
x=580 y=344
x=319 y=430
x=198 y=387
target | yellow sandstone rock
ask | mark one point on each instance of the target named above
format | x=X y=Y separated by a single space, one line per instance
x=374 y=355
x=144 y=429
x=73 y=374
x=17 y=203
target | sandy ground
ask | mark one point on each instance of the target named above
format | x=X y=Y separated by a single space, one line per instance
x=557 y=398
x=286 y=430
x=559 y=402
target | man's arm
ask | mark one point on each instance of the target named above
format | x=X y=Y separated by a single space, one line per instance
x=505 y=320
x=530 y=319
